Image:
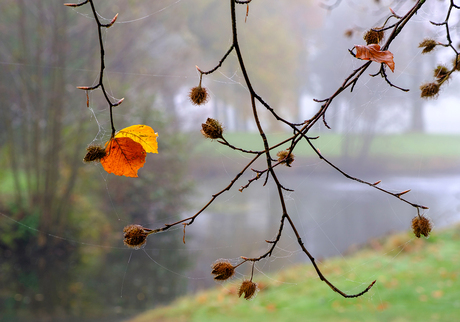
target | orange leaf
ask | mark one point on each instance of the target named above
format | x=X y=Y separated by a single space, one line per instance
x=124 y=157
x=373 y=52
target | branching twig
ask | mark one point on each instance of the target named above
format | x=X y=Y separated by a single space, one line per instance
x=102 y=57
x=300 y=130
x=220 y=62
x=441 y=73
x=191 y=219
x=225 y=142
x=383 y=73
x=373 y=185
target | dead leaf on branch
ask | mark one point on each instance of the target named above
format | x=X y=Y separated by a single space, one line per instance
x=373 y=52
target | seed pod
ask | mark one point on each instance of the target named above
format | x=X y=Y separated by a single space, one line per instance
x=135 y=236
x=441 y=73
x=285 y=157
x=223 y=270
x=421 y=226
x=373 y=36
x=429 y=90
x=249 y=288
x=212 y=129
x=428 y=45
x=456 y=63
x=95 y=153
x=198 y=95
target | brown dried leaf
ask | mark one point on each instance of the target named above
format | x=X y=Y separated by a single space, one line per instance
x=373 y=52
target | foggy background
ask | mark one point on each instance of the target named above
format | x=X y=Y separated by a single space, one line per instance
x=61 y=250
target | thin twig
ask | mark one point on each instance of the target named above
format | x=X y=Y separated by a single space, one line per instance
x=300 y=130
x=102 y=60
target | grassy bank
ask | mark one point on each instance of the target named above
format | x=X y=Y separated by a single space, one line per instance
x=417 y=280
x=393 y=153
x=397 y=145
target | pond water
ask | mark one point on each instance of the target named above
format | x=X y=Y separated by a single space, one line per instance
x=331 y=213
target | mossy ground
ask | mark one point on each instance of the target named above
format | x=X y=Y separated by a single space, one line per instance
x=417 y=280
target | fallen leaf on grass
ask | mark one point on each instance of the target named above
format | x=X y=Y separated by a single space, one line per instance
x=373 y=52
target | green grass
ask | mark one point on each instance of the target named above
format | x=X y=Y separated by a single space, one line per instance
x=417 y=282
x=397 y=145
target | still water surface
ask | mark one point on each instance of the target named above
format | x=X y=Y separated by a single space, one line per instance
x=330 y=212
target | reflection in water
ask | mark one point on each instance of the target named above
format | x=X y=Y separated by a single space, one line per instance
x=331 y=214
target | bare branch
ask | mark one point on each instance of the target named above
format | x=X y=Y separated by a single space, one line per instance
x=299 y=129
x=102 y=59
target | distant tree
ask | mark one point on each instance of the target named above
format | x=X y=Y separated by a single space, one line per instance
x=45 y=52
x=40 y=160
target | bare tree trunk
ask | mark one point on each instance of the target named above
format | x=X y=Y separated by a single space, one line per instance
x=34 y=127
